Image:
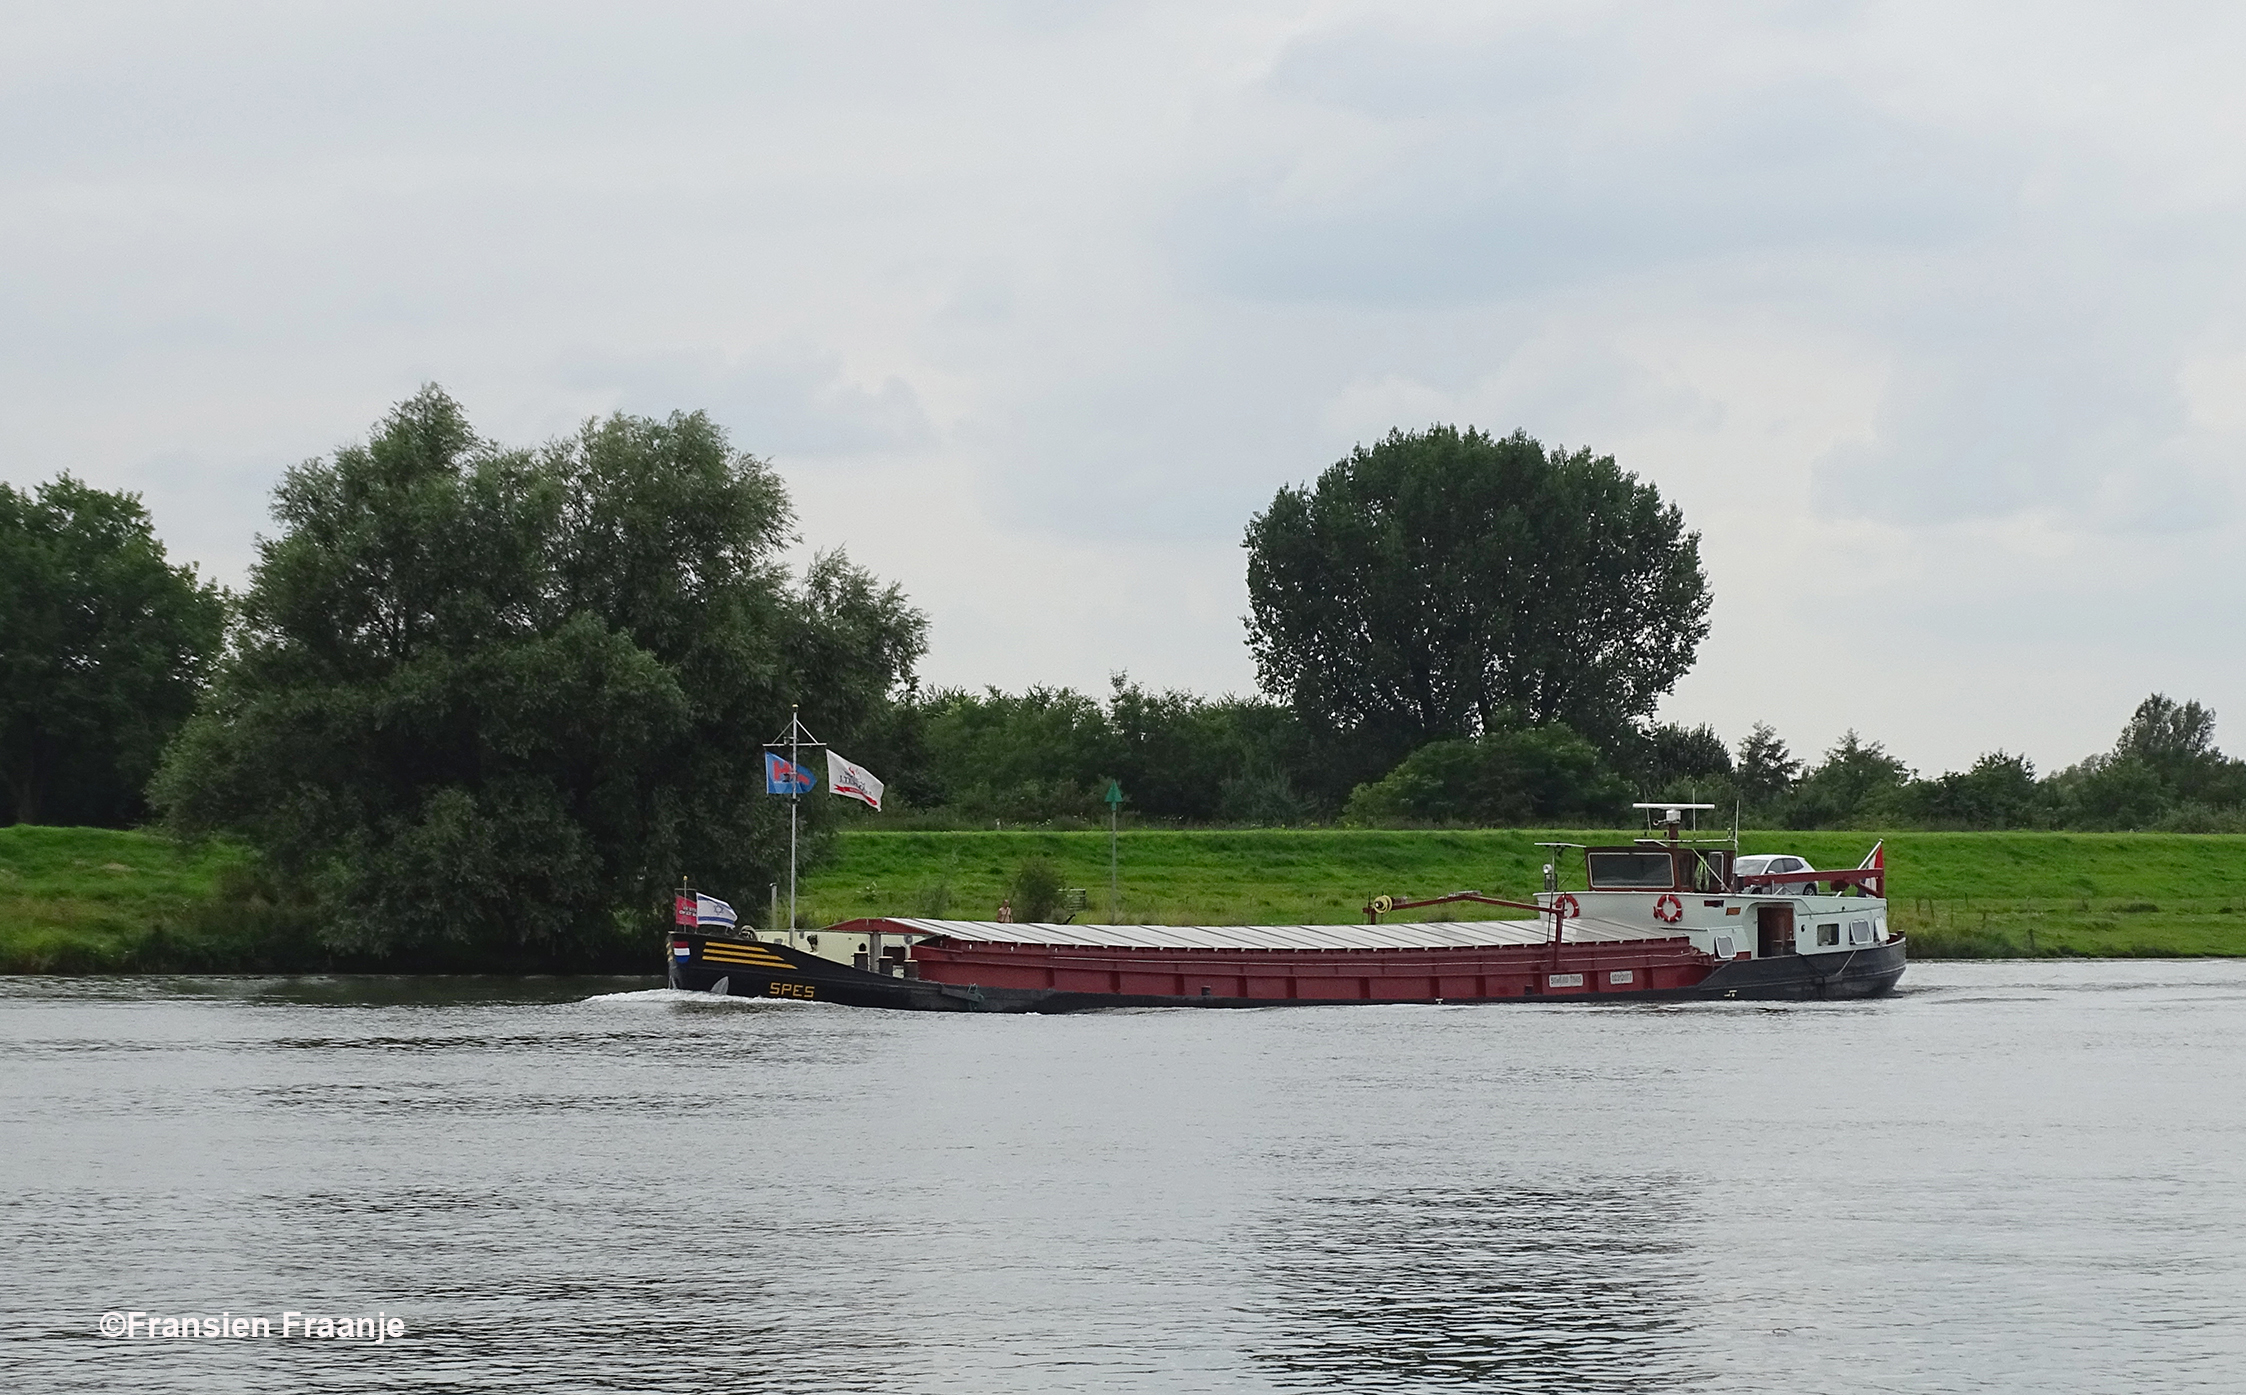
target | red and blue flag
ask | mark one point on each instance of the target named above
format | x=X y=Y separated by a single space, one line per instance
x=783 y=776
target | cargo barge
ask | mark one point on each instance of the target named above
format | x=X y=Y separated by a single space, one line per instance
x=1663 y=919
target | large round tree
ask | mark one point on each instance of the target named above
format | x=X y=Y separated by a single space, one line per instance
x=1443 y=583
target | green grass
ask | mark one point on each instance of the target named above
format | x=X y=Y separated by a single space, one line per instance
x=94 y=900
x=1966 y=895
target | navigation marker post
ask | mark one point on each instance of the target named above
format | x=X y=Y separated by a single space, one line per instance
x=1114 y=896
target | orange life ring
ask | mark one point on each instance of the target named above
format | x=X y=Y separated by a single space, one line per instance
x=1668 y=910
x=1567 y=907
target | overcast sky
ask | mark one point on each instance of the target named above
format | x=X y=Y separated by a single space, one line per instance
x=1929 y=316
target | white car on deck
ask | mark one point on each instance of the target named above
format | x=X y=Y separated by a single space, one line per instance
x=1762 y=863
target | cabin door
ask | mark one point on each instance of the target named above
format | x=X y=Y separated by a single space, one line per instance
x=1774 y=931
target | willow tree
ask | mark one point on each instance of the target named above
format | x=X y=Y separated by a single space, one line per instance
x=494 y=700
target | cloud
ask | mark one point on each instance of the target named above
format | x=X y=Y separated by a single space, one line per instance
x=792 y=401
x=2033 y=307
x=1931 y=318
x=1523 y=162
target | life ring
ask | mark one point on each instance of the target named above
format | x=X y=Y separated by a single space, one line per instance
x=1668 y=910
x=1567 y=907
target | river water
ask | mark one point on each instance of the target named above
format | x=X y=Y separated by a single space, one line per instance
x=2010 y=1176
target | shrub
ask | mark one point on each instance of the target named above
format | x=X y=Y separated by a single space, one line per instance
x=1504 y=778
x=1037 y=890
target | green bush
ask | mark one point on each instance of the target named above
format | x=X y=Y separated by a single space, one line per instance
x=1503 y=779
x=1037 y=890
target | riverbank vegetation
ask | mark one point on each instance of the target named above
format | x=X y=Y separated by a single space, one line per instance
x=77 y=900
x=99 y=900
x=965 y=760
x=483 y=705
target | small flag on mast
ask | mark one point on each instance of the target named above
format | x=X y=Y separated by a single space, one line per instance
x=784 y=776
x=693 y=908
x=853 y=782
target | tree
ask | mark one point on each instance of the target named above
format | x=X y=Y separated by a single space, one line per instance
x=2112 y=791
x=1443 y=584
x=1184 y=756
x=2000 y=791
x=103 y=647
x=1049 y=753
x=493 y=701
x=1667 y=754
x=1043 y=754
x=1856 y=778
x=2163 y=769
x=1505 y=778
x=2177 y=742
x=1766 y=770
x=2167 y=734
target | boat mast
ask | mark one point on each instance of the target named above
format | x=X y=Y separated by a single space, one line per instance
x=795 y=797
x=793 y=742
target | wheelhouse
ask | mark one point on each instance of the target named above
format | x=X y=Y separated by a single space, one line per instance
x=1678 y=862
x=1642 y=868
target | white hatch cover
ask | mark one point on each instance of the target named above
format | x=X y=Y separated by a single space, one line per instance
x=1425 y=934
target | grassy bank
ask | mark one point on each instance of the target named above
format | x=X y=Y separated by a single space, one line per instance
x=1969 y=895
x=94 y=900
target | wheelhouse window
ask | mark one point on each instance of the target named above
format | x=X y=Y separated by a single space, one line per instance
x=1709 y=870
x=1627 y=871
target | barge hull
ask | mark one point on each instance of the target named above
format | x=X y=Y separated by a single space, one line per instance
x=975 y=979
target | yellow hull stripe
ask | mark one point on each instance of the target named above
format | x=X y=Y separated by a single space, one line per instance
x=765 y=955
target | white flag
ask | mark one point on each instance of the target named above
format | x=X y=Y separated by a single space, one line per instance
x=853 y=782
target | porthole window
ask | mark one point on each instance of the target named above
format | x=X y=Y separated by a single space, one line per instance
x=1828 y=934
